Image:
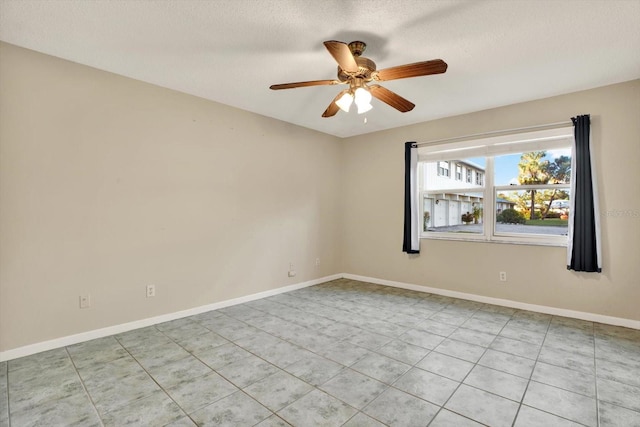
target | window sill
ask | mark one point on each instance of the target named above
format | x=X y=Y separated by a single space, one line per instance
x=498 y=239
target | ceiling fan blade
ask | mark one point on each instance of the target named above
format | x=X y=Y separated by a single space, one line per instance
x=425 y=68
x=391 y=98
x=304 y=84
x=342 y=54
x=333 y=108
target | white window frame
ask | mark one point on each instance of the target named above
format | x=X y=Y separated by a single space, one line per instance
x=448 y=169
x=489 y=148
x=479 y=178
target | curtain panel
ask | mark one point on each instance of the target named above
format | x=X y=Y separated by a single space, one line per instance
x=411 y=244
x=584 y=247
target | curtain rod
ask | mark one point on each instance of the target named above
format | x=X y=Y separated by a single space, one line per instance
x=498 y=132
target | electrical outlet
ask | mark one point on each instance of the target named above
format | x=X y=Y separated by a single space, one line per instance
x=503 y=276
x=292 y=270
x=85 y=301
x=317 y=262
x=151 y=291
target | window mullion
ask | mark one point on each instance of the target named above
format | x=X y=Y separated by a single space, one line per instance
x=489 y=206
x=532 y=187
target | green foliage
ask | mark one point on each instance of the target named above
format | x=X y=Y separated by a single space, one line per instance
x=548 y=222
x=427 y=217
x=522 y=201
x=560 y=170
x=467 y=218
x=535 y=170
x=477 y=213
x=511 y=216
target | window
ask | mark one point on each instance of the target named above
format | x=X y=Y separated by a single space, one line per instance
x=479 y=178
x=443 y=169
x=516 y=188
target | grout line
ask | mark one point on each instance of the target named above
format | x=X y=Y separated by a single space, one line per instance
x=234 y=342
x=84 y=387
x=470 y=370
x=152 y=377
x=549 y=385
x=526 y=389
x=7 y=384
x=595 y=376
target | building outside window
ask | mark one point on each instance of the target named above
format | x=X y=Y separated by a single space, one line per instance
x=443 y=168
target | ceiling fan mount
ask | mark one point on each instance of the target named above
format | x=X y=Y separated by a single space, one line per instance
x=357 y=47
x=357 y=71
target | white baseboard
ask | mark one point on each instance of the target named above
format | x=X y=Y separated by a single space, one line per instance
x=124 y=327
x=117 y=329
x=592 y=317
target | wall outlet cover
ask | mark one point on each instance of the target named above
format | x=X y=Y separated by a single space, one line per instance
x=85 y=301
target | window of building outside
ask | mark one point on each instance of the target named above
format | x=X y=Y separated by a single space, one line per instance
x=443 y=168
x=479 y=180
x=520 y=194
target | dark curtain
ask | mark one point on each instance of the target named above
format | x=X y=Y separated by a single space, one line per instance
x=411 y=243
x=584 y=229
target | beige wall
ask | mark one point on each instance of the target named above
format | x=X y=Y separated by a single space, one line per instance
x=108 y=184
x=373 y=200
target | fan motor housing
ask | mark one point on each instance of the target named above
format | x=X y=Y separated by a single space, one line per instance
x=365 y=68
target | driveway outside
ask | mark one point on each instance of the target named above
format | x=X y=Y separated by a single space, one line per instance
x=505 y=228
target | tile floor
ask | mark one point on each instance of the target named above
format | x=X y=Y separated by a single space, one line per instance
x=343 y=353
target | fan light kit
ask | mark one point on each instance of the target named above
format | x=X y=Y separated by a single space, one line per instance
x=361 y=96
x=357 y=71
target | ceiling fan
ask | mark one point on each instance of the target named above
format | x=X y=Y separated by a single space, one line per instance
x=358 y=72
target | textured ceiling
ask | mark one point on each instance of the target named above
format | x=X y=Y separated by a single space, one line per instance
x=230 y=51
